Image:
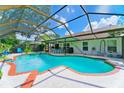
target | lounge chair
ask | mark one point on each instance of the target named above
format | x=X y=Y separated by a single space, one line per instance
x=19 y=50
x=119 y=56
x=116 y=55
x=109 y=55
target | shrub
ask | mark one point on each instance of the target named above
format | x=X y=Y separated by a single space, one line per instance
x=1 y=74
x=27 y=50
x=3 y=57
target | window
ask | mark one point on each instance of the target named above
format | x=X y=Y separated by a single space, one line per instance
x=112 y=46
x=56 y=46
x=85 y=46
x=66 y=45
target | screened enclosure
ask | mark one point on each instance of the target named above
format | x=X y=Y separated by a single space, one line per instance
x=57 y=24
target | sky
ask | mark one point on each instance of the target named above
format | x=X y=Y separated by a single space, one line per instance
x=81 y=24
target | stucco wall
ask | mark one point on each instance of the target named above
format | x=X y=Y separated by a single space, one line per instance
x=77 y=47
x=95 y=43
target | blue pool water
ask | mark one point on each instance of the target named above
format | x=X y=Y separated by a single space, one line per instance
x=43 y=62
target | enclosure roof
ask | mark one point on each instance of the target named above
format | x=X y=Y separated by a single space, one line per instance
x=53 y=22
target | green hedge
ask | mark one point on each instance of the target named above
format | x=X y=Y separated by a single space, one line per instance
x=4 y=47
x=0 y=74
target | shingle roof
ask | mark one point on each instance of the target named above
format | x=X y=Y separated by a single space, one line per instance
x=99 y=33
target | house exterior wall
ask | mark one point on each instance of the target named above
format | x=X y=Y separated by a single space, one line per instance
x=78 y=46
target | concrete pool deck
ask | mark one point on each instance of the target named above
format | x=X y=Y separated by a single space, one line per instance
x=62 y=77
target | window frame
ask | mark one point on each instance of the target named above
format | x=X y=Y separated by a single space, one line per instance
x=85 y=46
x=112 y=48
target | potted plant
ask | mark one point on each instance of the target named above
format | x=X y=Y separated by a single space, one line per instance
x=27 y=50
x=93 y=49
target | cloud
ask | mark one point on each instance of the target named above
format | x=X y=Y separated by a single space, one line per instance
x=67 y=33
x=94 y=26
x=20 y=37
x=0 y=17
x=103 y=8
x=56 y=16
x=50 y=33
x=62 y=19
x=40 y=29
x=70 y=10
x=104 y=22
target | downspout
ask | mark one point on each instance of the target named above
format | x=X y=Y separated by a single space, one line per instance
x=104 y=43
x=123 y=47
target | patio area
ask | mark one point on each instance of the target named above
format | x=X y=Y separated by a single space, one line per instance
x=61 y=77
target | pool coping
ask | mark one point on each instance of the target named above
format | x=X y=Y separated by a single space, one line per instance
x=12 y=70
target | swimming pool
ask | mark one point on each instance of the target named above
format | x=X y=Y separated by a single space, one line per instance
x=43 y=62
